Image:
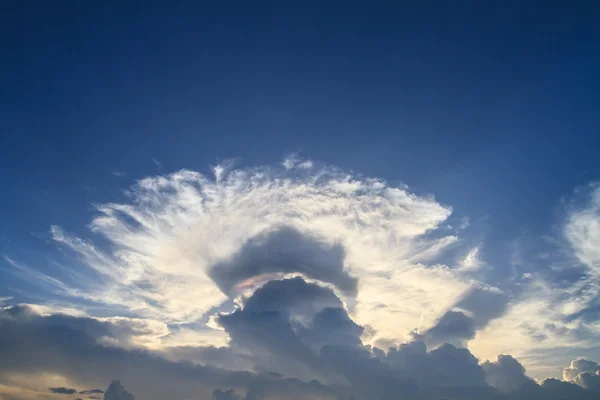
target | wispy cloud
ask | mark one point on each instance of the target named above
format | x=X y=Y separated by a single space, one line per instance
x=177 y=228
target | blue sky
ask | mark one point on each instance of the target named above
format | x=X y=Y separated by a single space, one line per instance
x=483 y=117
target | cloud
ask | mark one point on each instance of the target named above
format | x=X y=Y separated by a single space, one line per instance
x=453 y=327
x=62 y=390
x=373 y=261
x=265 y=326
x=589 y=381
x=327 y=344
x=72 y=347
x=583 y=228
x=584 y=373
x=553 y=302
x=230 y=394
x=92 y=391
x=506 y=374
x=285 y=250
x=471 y=313
x=116 y=391
x=557 y=389
x=187 y=235
x=579 y=366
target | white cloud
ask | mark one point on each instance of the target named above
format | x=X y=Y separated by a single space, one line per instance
x=35 y=276
x=157 y=249
x=548 y=314
x=472 y=261
x=583 y=231
x=162 y=243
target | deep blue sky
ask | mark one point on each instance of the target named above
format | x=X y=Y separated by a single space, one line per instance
x=493 y=109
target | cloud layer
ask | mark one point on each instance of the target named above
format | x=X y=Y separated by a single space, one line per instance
x=304 y=280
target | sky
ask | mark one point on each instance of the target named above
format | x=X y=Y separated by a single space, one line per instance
x=320 y=200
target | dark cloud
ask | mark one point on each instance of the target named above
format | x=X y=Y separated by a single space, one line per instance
x=281 y=326
x=454 y=327
x=62 y=390
x=297 y=329
x=229 y=357
x=332 y=326
x=292 y=298
x=31 y=344
x=505 y=374
x=116 y=391
x=557 y=389
x=484 y=305
x=471 y=313
x=270 y=337
x=92 y=391
x=286 y=250
x=230 y=394
x=589 y=381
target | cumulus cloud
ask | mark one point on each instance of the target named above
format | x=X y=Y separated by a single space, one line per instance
x=326 y=344
x=453 y=327
x=72 y=347
x=116 y=391
x=579 y=366
x=506 y=374
x=230 y=394
x=584 y=373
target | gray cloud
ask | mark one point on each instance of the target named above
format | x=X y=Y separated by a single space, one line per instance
x=317 y=356
x=230 y=394
x=471 y=313
x=62 y=390
x=584 y=373
x=579 y=366
x=31 y=344
x=506 y=374
x=92 y=391
x=454 y=327
x=589 y=381
x=557 y=389
x=285 y=250
x=116 y=391
x=292 y=298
